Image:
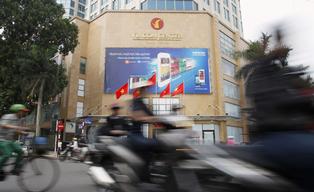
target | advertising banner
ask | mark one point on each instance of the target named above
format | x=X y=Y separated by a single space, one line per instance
x=171 y=65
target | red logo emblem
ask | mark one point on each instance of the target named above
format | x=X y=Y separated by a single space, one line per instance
x=157 y=23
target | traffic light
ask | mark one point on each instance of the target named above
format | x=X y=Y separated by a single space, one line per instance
x=60 y=125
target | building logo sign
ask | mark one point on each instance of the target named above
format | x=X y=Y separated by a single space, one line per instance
x=157 y=23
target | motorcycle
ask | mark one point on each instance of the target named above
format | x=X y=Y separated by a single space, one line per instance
x=74 y=154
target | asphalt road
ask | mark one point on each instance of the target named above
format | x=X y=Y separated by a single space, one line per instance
x=73 y=178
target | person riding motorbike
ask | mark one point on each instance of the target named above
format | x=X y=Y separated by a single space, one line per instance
x=9 y=125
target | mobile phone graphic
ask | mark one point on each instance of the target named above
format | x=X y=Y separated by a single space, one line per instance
x=164 y=69
x=189 y=63
x=201 y=75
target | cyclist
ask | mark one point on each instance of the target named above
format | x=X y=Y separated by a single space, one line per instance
x=9 y=125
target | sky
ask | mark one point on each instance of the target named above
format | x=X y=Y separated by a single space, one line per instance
x=295 y=16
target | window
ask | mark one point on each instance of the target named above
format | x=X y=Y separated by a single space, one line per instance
x=161 y=5
x=81 y=8
x=234 y=9
x=144 y=5
x=80 y=14
x=116 y=5
x=93 y=7
x=227 y=45
x=227 y=14
x=217 y=6
x=82 y=1
x=170 y=5
x=71 y=12
x=226 y=3
x=205 y=134
x=103 y=2
x=188 y=5
x=81 y=88
x=72 y=4
x=151 y=5
x=235 y=133
x=82 y=66
x=163 y=106
x=207 y=2
x=127 y=1
x=79 y=109
x=235 y=22
x=228 y=67
x=195 y=6
x=232 y=110
x=231 y=90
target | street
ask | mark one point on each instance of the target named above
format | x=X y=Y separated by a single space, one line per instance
x=74 y=178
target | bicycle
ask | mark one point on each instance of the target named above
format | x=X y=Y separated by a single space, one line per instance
x=39 y=173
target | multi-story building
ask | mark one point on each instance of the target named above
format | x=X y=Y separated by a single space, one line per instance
x=74 y=8
x=228 y=11
x=191 y=47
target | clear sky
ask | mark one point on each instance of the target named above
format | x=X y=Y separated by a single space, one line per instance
x=296 y=17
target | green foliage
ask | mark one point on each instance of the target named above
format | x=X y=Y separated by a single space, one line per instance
x=31 y=33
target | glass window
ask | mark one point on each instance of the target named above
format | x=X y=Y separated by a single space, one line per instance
x=81 y=8
x=82 y=66
x=80 y=14
x=227 y=14
x=170 y=4
x=232 y=110
x=226 y=2
x=103 y=2
x=71 y=12
x=161 y=5
x=217 y=6
x=81 y=88
x=227 y=45
x=207 y=2
x=72 y=4
x=82 y=1
x=144 y=5
x=127 y=1
x=79 y=109
x=235 y=22
x=231 y=90
x=228 y=67
x=151 y=5
x=188 y=5
x=234 y=9
x=195 y=6
x=163 y=106
x=115 y=5
x=179 y=5
x=235 y=133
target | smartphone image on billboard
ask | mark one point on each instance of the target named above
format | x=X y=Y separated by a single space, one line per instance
x=164 y=69
x=201 y=75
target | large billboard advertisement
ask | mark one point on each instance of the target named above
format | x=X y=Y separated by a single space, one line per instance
x=171 y=65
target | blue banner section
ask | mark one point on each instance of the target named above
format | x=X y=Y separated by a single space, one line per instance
x=171 y=65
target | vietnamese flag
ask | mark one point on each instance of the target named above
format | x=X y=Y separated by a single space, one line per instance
x=122 y=90
x=136 y=93
x=152 y=79
x=165 y=91
x=179 y=90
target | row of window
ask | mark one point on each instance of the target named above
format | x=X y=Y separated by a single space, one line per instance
x=227 y=14
x=169 y=5
x=227 y=45
x=231 y=90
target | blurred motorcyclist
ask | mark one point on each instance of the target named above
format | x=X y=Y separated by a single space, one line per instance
x=9 y=125
x=116 y=125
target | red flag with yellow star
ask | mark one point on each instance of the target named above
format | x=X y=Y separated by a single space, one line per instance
x=179 y=90
x=136 y=93
x=122 y=90
x=165 y=91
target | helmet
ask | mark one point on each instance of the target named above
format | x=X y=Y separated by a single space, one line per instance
x=18 y=107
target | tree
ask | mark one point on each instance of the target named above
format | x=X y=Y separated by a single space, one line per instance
x=31 y=33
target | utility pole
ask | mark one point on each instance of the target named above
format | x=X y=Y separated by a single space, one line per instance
x=39 y=105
